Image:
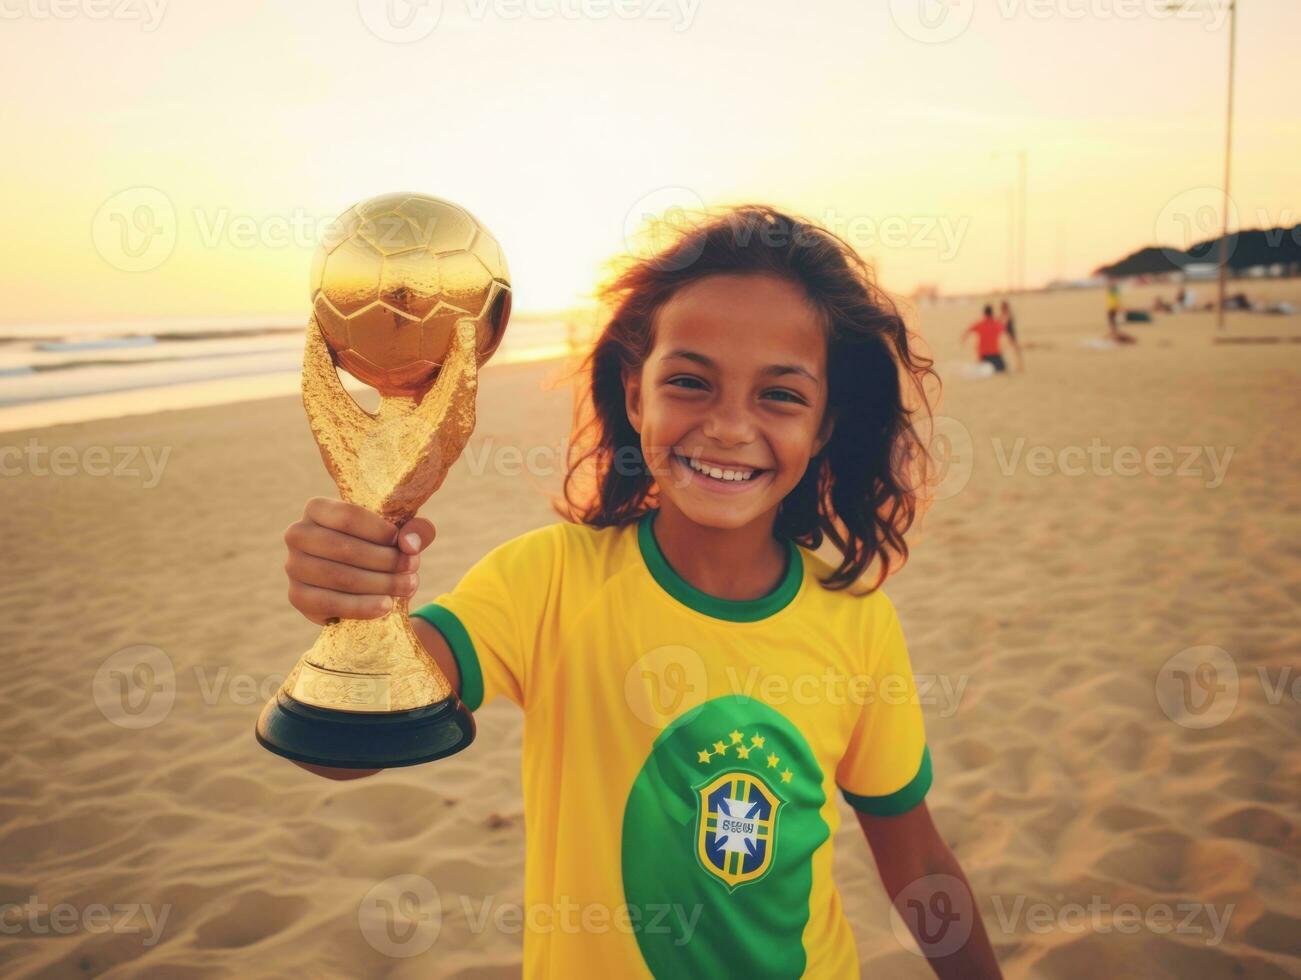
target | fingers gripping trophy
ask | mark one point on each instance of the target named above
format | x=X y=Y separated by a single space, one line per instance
x=410 y=294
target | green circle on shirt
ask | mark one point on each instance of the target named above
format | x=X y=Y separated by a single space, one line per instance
x=719 y=833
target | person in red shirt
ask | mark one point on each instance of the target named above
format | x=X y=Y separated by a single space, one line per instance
x=989 y=333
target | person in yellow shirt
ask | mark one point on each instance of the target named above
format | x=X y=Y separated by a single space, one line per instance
x=698 y=685
x=1115 y=311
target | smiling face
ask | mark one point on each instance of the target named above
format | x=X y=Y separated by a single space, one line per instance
x=730 y=401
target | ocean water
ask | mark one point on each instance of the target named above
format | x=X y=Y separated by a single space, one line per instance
x=61 y=373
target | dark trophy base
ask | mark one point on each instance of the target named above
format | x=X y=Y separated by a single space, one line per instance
x=352 y=740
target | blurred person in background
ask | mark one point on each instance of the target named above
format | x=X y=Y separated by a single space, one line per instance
x=989 y=332
x=1009 y=324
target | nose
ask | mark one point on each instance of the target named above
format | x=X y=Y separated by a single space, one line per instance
x=729 y=424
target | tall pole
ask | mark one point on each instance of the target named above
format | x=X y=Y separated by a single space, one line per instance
x=1011 y=239
x=1021 y=161
x=1061 y=249
x=1016 y=226
x=1228 y=159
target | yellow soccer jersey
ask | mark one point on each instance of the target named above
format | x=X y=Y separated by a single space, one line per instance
x=682 y=752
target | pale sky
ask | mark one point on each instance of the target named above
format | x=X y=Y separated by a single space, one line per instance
x=243 y=125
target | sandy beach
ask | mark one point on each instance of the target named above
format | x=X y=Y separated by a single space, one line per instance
x=1105 y=601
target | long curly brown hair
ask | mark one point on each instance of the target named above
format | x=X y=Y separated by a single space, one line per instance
x=863 y=490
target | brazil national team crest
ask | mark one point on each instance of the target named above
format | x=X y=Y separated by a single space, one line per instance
x=737 y=827
x=736 y=822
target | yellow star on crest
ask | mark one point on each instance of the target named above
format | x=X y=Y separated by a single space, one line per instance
x=743 y=752
x=772 y=761
x=756 y=741
x=720 y=748
x=735 y=736
x=703 y=756
x=786 y=776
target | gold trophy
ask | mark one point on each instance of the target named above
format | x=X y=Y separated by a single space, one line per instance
x=410 y=294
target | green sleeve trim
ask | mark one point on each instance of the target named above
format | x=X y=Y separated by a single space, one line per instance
x=445 y=621
x=901 y=800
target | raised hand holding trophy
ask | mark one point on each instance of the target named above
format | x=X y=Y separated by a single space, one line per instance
x=410 y=295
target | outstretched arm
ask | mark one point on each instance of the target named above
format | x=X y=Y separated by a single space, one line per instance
x=909 y=849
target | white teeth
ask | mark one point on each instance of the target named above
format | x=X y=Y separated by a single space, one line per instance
x=717 y=473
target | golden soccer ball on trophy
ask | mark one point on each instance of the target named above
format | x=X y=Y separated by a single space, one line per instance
x=391 y=280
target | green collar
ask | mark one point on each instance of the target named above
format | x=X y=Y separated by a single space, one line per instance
x=735 y=610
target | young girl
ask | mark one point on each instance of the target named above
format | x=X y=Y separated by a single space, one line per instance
x=698 y=685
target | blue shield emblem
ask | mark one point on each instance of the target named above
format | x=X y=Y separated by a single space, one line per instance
x=736 y=827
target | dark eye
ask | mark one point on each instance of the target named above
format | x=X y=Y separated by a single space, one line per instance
x=686 y=381
x=785 y=395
